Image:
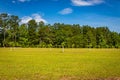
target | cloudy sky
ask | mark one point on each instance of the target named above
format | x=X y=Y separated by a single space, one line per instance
x=84 y=12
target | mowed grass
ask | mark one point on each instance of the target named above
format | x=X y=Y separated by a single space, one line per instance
x=53 y=64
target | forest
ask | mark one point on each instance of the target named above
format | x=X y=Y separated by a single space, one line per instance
x=41 y=35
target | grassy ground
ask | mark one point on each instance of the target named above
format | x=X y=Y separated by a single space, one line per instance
x=52 y=64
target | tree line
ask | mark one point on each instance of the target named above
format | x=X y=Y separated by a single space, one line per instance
x=33 y=34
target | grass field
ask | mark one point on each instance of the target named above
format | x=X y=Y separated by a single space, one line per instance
x=46 y=64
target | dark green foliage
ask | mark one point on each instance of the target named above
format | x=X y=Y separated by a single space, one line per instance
x=32 y=33
x=23 y=35
x=4 y=23
x=42 y=35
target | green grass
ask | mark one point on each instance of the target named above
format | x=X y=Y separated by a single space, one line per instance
x=46 y=64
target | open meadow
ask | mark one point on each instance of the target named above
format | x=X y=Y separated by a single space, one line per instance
x=53 y=64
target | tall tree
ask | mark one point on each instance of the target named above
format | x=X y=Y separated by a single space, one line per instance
x=32 y=28
x=14 y=25
x=115 y=39
x=101 y=40
x=4 y=18
x=23 y=35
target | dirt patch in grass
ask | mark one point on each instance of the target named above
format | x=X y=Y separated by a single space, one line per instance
x=113 y=78
x=68 y=78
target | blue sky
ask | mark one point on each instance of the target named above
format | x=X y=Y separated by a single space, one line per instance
x=84 y=12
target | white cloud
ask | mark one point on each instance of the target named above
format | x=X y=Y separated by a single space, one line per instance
x=23 y=0
x=86 y=2
x=36 y=17
x=25 y=19
x=66 y=11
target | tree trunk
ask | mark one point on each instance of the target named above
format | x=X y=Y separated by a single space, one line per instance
x=4 y=39
x=15 y=40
